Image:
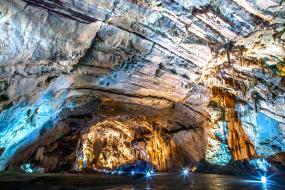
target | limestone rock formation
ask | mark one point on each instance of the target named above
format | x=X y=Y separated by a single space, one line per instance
x=112 y=143
x=191 y=80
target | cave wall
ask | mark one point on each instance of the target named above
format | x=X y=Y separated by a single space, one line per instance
x=213 y=69
x=114 y=143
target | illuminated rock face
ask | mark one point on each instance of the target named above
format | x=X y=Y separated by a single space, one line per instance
x=238 y=143
x=205 y=79
x=114 y=143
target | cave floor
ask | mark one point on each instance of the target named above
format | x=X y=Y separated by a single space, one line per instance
x=160 y=181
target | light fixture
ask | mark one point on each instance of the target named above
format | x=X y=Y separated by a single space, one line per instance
x=185 y=172
x=133 y=173
x=148 y=174
x=263 y=179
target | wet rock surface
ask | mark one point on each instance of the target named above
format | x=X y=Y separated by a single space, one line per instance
x=205 y=77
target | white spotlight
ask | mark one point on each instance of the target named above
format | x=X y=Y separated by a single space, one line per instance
x=185 y=172
x=148 y=175
x=263 y=179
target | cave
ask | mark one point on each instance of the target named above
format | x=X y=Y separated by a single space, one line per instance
x=142 y=94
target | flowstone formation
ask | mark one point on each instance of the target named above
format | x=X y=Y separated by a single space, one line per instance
x=110 y=144
x=92 y=84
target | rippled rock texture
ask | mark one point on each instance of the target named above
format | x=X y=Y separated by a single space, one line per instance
x=94 y=84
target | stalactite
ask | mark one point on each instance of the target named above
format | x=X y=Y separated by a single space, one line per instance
x=112 y=143
x=239 y=144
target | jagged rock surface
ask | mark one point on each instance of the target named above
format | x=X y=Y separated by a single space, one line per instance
x=208 y=70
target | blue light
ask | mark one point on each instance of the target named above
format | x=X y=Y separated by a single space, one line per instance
x=263 y=179
x=27 y=168
x=148 y=174
x=260 y=163
x=185 y=172
x=133 y=173
x=17 y=130
x=120 y=172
